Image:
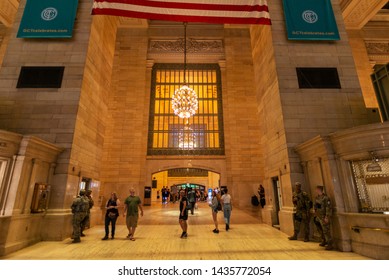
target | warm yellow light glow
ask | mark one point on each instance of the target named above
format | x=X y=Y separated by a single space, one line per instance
x=184 y=102
x=187 y=139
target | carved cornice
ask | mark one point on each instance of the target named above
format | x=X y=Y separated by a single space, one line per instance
x=381 y=48
x=378 y=59
x=193 y=46
x=378 y=52
x=356 y=13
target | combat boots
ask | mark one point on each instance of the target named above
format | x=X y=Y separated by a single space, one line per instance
x=294 y=236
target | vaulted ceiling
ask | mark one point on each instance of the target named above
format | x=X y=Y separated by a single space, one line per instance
x=8 y=9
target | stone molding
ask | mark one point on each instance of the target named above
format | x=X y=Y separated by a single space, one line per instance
x=193 y=46
x=377 y=48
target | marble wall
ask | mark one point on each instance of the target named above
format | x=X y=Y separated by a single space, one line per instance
x=294 y=115
x=71 y=117
x=326 y=160
x=29 y=160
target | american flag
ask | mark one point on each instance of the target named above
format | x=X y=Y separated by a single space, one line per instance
x=209 y=11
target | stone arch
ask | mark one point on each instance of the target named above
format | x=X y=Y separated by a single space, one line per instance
x=214 y=165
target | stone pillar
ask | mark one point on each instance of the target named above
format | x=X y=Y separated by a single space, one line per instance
x=12 y=191
x=242 y=126
x=363 y=67
x=127 y=116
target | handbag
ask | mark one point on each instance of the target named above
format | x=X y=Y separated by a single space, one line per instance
x=112 y=215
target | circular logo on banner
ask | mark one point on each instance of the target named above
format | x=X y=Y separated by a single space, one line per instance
x=310 y=16
x=49 y=14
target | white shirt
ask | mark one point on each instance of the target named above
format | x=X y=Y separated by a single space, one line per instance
x=226 y=198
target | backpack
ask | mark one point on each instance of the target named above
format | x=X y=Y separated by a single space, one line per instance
x=254 y=200
x=219 y=205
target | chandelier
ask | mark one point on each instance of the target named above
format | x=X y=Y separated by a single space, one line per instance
x=184 y=100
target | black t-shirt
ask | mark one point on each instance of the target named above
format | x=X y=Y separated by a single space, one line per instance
x=182 y=203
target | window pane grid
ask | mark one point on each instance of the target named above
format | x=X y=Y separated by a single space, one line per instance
x=202 y=134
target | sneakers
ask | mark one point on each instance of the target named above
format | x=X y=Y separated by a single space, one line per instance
x=82 y=235
x=293 y=237
x=323 y=243
x=306 y=239
x=184 y=235
x=227 y=227
x=105 y=238
x=76 y=240
x=215 y=231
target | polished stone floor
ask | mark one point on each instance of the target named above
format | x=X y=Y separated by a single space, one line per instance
x=158 y=238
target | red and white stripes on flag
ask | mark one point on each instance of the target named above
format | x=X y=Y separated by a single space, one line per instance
x=209 y=11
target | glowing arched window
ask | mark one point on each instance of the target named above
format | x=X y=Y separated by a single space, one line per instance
x=201 y=134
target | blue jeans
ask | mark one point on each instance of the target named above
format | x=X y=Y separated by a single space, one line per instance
x=227 y=213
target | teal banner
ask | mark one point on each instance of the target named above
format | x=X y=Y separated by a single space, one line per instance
x=48 y=19
x=310 y=20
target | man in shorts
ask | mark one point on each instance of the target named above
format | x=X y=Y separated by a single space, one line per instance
x=131 y=206
x=183 y=214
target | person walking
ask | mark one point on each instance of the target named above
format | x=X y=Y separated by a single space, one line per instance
x=182 y=219
x=323 y=212
x=302 y=204
x=216 y=207
x=261 y=193
x=132 y=205
x=111 y=215
x=227 y=208
x=191 y=200
x=79 y=208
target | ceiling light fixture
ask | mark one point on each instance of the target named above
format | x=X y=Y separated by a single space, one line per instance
x=184 y=100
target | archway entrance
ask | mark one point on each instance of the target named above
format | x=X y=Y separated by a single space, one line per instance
x=181 y=178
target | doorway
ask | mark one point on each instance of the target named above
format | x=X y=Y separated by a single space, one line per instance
x=177 y=178
x=277 y=201
x=85 y=184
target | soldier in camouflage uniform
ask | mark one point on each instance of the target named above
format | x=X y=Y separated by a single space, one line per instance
x=323 y=212
x=79 y=209
x=86 y=222
x=302 y=204
x=316 y=221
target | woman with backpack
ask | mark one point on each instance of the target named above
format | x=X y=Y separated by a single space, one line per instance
x=216 y=207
